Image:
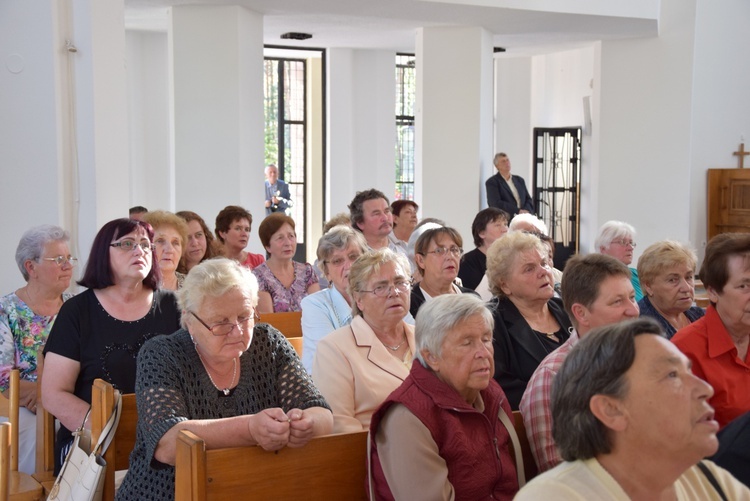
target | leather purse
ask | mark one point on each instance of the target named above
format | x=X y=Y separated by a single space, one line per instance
x=82 y=475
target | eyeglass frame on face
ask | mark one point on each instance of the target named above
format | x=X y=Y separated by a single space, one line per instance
x=441 y=251
x=624 y=243
x=61 y=260
x=124 y=244
x=231 y=325
x=402 y=286
x=339 y=261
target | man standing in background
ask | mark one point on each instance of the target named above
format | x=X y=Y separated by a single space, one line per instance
x=278 y=198
x=506 y=191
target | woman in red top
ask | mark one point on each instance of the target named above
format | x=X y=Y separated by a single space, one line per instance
x=717 y=343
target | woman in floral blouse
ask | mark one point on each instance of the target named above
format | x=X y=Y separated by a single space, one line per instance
x=26 y=317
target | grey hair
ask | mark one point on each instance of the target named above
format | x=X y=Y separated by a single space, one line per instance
x=441 y=315
x=213 y=278
x=531 y=219
x=595 y=366
x=501 y=257
x=368 y=264
x=338 y=238
x=612 y=230
x=32 y=243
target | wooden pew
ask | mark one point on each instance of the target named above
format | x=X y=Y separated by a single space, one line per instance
x=289 y=323
x=296 y=343
x=329 y=467
x=21 y=486
x=529 y=464
x=5 y=460
x=118 y=454
x=45 y=434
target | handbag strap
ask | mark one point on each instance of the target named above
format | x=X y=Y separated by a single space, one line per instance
x=712 y=479
x=505 y=419
x=108 y=432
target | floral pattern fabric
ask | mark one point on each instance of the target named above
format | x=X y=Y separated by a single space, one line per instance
x=286 y=299
x=22 y=333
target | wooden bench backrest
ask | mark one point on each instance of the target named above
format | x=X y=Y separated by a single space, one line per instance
x=296 y=343
x=529 y=464
x=118 y=454
x=9 y=407
x=329 y=467
x=289 y=323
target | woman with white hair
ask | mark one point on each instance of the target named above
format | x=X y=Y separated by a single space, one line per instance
x=617 y=239
x=231 y=382
x=440 y=432
x=26 y=317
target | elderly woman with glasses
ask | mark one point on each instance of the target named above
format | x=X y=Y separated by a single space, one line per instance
x=357 y=366
x=437 y=254
x=98 y=333
x=26 y=317
x=440 y=433
x=223 y=377
x=617 y=239
x=331 y=308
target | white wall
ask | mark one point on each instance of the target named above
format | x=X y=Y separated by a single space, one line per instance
x=151 y=166
x=720 y=103
x=30 y=162
x=361 y=124
x=644 y=124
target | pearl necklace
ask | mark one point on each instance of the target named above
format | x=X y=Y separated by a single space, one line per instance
x=234 y=374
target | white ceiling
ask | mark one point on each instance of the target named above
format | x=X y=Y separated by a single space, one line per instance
x=392 y=24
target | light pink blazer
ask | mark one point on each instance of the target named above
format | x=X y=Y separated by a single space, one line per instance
x=355 y=372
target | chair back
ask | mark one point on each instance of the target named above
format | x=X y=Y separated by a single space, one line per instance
x=296 y=343
x=529 y=464
x=118 y=453
x=5 y=460
x=289 y=323
x=328 y=467
x=21 y=486
x=44 y=472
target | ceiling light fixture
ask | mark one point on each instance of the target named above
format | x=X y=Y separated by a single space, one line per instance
x=292 y=35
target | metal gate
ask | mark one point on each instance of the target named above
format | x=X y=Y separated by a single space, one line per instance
x=557 y=180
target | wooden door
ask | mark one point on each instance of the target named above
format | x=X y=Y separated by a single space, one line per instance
x=728 y=201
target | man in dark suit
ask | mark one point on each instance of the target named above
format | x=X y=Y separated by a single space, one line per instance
x=506 y=191
x=278 y=198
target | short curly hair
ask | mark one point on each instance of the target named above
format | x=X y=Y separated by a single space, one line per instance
x=501 y=257
x=227 y=216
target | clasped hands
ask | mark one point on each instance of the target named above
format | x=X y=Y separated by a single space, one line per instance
x=274 y=429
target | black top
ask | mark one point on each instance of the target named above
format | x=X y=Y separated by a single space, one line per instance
x=173 y=386
x=418 y=299
x=734 y=448
x=518 y=348
x=500 y=196
x=106 y=347
x=472 y=269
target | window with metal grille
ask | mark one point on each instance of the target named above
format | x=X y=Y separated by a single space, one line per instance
x=285 y=129
x=405 y=89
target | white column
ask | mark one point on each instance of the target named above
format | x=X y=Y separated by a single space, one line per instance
x=217 y=82
x=362 y=124
x=454 y=123
x=63 y=120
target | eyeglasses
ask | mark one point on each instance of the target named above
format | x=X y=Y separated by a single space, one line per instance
x=224 y=328
x=129 y=245
x=384 y=290
x=61 y=260
x=625 y=243
x=338 y=261
x=441 y=251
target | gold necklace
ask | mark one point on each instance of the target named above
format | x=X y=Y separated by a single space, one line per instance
x=234 y=374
